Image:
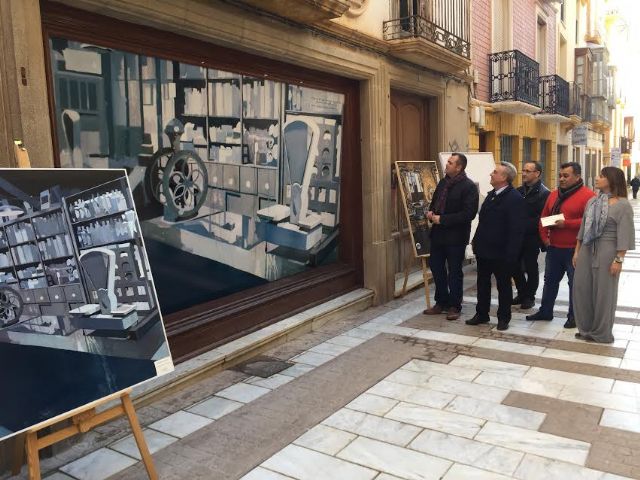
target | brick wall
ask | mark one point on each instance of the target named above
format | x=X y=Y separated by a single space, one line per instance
x=524 y=27
x=525 y=24
x=524 y=37
x=481 y=45
x=551 y=40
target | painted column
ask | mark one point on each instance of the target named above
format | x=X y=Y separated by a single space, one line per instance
x=376 y=185
x=24 y=111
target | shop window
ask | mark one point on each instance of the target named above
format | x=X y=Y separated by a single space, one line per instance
x=237 y=178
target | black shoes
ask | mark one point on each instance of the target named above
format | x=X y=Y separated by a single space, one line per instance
x=502 y=326
x=570 y=323
x=538 y=316
x=527 y=303
x=477 y=320
x=524 y=302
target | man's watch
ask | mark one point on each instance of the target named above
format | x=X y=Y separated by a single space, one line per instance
x=618 y=259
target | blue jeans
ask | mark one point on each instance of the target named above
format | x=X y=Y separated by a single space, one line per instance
x=445 y=263
x=557 y=263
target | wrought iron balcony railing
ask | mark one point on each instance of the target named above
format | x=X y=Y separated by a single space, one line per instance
x=554 y=95
x=514 y=76
x=442 y=22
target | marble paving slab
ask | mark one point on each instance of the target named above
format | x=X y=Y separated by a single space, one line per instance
x=304 y=464
x=537 y=443
x=98 y=465
x=433 y=419
x=397 y=461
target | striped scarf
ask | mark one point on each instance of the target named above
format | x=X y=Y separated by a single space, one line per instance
x=442 y=198
x=595 y=218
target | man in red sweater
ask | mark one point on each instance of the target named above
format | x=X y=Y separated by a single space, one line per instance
x=570 y=200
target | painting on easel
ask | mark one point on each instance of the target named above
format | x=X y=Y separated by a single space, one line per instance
x=79 y=316
x=418 y=181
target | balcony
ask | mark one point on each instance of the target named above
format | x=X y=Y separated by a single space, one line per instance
x=514 y=82
x=433 y=34
x=612 y=87
x=599 y=87
x=600 y=114
x=554 y=99
x=304 y=11
x=576 y=104
x=586 y=102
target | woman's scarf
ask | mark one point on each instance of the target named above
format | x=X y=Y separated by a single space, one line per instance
x=449 y=182
x=563 y=194
x=595 y=218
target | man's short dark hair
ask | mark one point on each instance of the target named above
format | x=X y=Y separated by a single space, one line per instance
x=536 y=165
x=462 y=159
x=575 y=166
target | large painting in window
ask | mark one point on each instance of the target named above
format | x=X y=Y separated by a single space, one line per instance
x=236 y=178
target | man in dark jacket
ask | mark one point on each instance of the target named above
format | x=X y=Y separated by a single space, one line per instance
x=453 y=207
x=497 y=244
x=535 y=195
x=635 y=186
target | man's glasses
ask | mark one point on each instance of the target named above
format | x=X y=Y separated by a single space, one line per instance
x=529 y=171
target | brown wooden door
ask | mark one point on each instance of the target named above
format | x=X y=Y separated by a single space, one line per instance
x=409 y=127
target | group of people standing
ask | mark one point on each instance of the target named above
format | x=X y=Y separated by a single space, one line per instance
x=587 y=241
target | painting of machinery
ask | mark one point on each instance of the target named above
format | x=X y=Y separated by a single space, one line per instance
x=241 y=171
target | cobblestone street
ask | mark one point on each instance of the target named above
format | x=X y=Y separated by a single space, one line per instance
x=391 y=394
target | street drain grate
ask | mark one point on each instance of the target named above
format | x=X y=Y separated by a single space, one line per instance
x=262 y=366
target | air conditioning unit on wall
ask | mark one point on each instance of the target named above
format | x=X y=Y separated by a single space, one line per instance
x=478 y=116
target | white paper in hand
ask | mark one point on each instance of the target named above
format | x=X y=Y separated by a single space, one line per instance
x=551 y=220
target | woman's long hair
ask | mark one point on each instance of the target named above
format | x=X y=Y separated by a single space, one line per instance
x=617 y=182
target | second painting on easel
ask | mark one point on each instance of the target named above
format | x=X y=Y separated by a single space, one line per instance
x=418 y=181
x=79 y=314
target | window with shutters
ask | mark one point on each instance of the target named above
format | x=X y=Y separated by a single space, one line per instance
x=541 y=43
x=544 y=144
x=506 y=148
x=527 y=148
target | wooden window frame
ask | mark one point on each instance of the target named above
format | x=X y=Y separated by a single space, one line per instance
x=199 y=328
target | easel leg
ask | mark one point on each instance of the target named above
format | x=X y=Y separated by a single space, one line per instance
x=426 y=282
x=18 y=454
x=139 y=436
x=406 y=280
x=33 y=457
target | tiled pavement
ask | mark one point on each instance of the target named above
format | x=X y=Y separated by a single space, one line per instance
x=392 y=394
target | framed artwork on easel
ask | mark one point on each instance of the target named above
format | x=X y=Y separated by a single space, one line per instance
x=418 y=181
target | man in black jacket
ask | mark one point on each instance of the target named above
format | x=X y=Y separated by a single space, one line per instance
x=535 y=195
x=635 y=186
x=453 y=207
x=497 y=244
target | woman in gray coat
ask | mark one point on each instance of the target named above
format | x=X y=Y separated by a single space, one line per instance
x=605 y=236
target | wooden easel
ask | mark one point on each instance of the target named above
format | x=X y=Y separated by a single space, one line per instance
x=402 y=215
x=83 y=419
x=423 y=259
